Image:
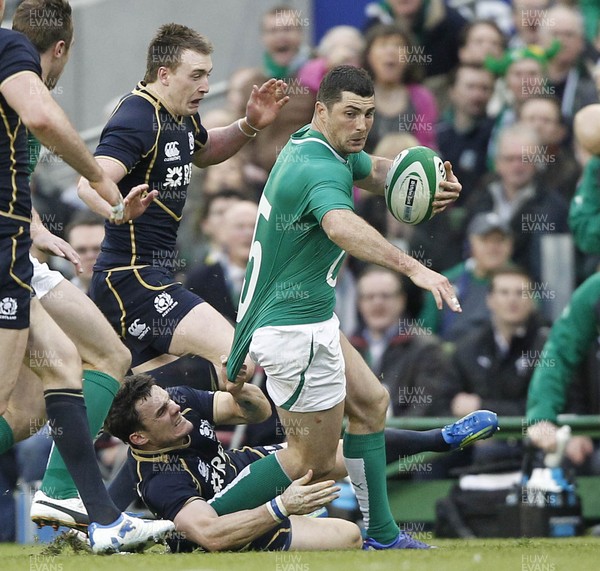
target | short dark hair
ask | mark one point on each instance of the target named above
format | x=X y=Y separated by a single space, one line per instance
x=375 y=269
x=84 y=218
x=453 y=76
x=552 y=99
x=224 y=193
x=344 y=78
x=123 y=418
x=508 y=270
x=44 y=22
x=166 y=47
x=463 y=36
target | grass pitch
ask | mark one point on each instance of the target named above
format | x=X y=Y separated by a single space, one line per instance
x=576 y=554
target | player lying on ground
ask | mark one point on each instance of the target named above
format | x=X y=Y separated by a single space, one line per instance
x=181 y=466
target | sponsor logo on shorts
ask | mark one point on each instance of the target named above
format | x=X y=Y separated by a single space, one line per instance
x=8 y=308
x=172 y=151
x=164 y=303
x=138 y=330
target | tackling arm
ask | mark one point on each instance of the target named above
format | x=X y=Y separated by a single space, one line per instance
x=246 y=406
x=201 y=524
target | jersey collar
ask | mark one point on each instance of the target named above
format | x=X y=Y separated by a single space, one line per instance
x=307 y=134
x=142 y=90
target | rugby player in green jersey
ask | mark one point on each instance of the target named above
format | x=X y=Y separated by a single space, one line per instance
x=305 y=225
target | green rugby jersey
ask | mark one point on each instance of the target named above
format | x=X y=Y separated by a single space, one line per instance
x=293 y=266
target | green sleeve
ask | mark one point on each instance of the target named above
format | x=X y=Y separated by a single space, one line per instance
x=584 y=212
x=429 y=318
x=361 y=165
x=567 y=347
x=334 y=193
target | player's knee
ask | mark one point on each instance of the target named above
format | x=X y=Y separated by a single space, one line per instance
x=61 y=368
x=112 y=358
x=354 y=538
x=322 y=469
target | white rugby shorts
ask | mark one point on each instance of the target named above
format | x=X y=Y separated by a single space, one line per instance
x=304 y=364
x=44 y=279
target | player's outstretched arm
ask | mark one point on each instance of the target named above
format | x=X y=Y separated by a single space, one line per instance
x=351 y=233
x=263 y=106
x=448 y=192
x=200 y=523
x=30 y=98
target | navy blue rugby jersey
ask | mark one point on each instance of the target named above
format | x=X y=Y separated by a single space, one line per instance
x=17 y=55
x=170 y=477
x=156 y=148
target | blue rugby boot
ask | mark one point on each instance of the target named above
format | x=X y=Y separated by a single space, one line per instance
x=403 y=541
x=478 y=425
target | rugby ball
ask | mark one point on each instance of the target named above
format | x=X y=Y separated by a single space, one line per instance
x=411 y=184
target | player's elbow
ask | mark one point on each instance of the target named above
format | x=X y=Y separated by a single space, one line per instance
x=39 y=121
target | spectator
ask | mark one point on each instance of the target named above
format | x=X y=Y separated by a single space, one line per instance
x=524 y=76
x=436 y=25
x=408 y=360
x=285 y=54
x=211 y=224
x=85 y=233
x=219 y=281
x=479 y=39
x=517 y=197
x=341 y=45
x=401 y=104
x=528 y=17
x=569 y=77
x=491 y=242
x=463 y=135
x=282 y=37
x=493 y=364
x=557 y=166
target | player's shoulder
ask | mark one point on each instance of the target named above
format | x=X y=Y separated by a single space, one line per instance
x=135 y=108
x=10 y=38
x=16 y=46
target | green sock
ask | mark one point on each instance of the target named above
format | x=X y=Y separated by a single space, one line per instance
x=7 y=438
x=256 y=484
x=364 y=456
x=99 y=390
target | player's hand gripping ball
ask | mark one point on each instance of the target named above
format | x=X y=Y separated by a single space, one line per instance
x=411 y=184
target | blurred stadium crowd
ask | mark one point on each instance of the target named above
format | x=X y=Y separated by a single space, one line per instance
x=494 y=86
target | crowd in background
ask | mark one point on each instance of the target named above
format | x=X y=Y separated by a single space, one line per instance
x=493 y=86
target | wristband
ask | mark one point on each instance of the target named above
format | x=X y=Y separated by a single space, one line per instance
x=117 y=211
x=277 y=510
x=239 y=121
x=251 y=127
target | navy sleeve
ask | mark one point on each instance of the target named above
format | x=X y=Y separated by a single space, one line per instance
x=166 y=493
x=199 y=401
x=200 y=133
x=17 y=54
x=130 y=134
